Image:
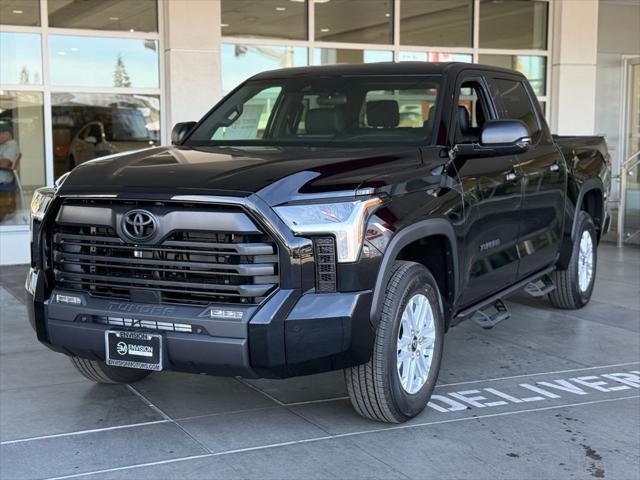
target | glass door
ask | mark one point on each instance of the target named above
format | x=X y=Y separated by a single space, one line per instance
x=630 y=184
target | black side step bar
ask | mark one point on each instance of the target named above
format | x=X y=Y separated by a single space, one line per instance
x=504 y=293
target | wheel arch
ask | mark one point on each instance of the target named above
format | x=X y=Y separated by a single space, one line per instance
x=590 y=199
x=436 y=233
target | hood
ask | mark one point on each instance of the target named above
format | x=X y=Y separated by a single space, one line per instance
x=276 y=174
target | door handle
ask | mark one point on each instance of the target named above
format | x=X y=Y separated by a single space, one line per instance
x=512 y=176
x=554 y=167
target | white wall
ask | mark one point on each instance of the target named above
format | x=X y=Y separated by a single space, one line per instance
x=573 y=69
x=191 y=58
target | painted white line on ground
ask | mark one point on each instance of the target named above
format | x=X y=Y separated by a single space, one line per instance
x=83 y=432
x=526 y=375
x=340 y=435
x=469 y=382
x=167 y=418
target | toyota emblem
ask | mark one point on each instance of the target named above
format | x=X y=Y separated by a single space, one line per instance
x=139 y=225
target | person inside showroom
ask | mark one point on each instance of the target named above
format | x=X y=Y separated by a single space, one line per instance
x=9 y=151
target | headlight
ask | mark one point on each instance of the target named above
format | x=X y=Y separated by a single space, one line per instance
x=40 y=202
x=345 y=220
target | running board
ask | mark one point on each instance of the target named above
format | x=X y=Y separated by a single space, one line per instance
x=488 y=319
x=540 y=287
x=500 y=295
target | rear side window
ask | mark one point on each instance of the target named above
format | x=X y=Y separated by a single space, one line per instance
x=516 y=104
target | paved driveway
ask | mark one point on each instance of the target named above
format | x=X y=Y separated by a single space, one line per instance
x=546 y=394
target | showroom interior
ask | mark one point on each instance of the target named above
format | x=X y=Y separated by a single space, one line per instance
x=547 y=393
x=131 y=69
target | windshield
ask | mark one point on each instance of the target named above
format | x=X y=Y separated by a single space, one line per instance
x=325 y=110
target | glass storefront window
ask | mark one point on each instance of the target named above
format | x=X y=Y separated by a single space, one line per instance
x=533 y=67
x=436 y=57
x=20 y=12
x=513 y=24
x=436 y=23
x=91 y=125
x=22 y=155
x=129 y=15
x=20 y=59
x=240 y=62
x=264 y=19
x=326 y=56
x=354 y=21
x=103 y=62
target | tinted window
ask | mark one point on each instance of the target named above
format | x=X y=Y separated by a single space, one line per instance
x=264 y=18
x=128 y=15
x=471 y=113
x=516 y=103
x=436 y=22
x=353 y=21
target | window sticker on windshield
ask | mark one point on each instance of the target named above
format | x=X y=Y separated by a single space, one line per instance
x=246 y=126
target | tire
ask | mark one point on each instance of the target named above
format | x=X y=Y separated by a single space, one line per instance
x=569 y=293
x=376 y=388
x=72 y=163
x=100 y=372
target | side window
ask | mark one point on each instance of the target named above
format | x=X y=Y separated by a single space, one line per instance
x=516 y=104
x=472 y=112
x=251 y=121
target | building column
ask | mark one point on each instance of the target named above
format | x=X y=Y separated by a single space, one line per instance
x=192 y=83
x=573 y=70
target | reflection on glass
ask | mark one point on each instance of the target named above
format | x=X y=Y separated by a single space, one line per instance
x=103 y=62
x=264 y=19
x=130 y=15
x=326 y=56
x=513 y=24
x=435 y=57
x=436 y=22
x=355 y=21
x=20 y=12
x=20 y=59
x=240 y=62
x=91 y=125
x=533 y=67
x=21 y=153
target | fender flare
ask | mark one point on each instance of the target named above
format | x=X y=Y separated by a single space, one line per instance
x=589 y=185
x=416 y=231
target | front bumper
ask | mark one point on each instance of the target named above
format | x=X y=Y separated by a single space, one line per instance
x=289 y=334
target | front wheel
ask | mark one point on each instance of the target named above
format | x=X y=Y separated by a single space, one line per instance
x=397 y=382
x=574 y=285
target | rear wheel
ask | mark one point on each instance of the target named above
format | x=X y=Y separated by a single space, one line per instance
x=397 y=382
x=574 y=285
x=100 y=372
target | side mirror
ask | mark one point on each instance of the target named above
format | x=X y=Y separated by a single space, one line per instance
x=180 y=131
x=505 y=137
x=498 y=137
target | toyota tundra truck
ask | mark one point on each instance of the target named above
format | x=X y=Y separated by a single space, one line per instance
x=322 y=218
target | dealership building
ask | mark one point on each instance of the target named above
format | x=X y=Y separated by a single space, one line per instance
x=81 y=79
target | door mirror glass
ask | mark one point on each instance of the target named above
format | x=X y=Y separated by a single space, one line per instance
x=180 y=131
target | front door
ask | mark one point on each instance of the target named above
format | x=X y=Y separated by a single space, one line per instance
x=544 y=174
x=492 y=193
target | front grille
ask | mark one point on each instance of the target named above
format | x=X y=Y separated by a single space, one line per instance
x=191 y=267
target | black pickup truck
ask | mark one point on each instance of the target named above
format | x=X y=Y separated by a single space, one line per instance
x=320 y=218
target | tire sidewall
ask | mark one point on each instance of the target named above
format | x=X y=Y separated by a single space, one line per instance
x=416 y=280
x=584 y=224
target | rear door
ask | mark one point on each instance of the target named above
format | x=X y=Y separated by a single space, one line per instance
x=544 y=175
x=492 y=196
